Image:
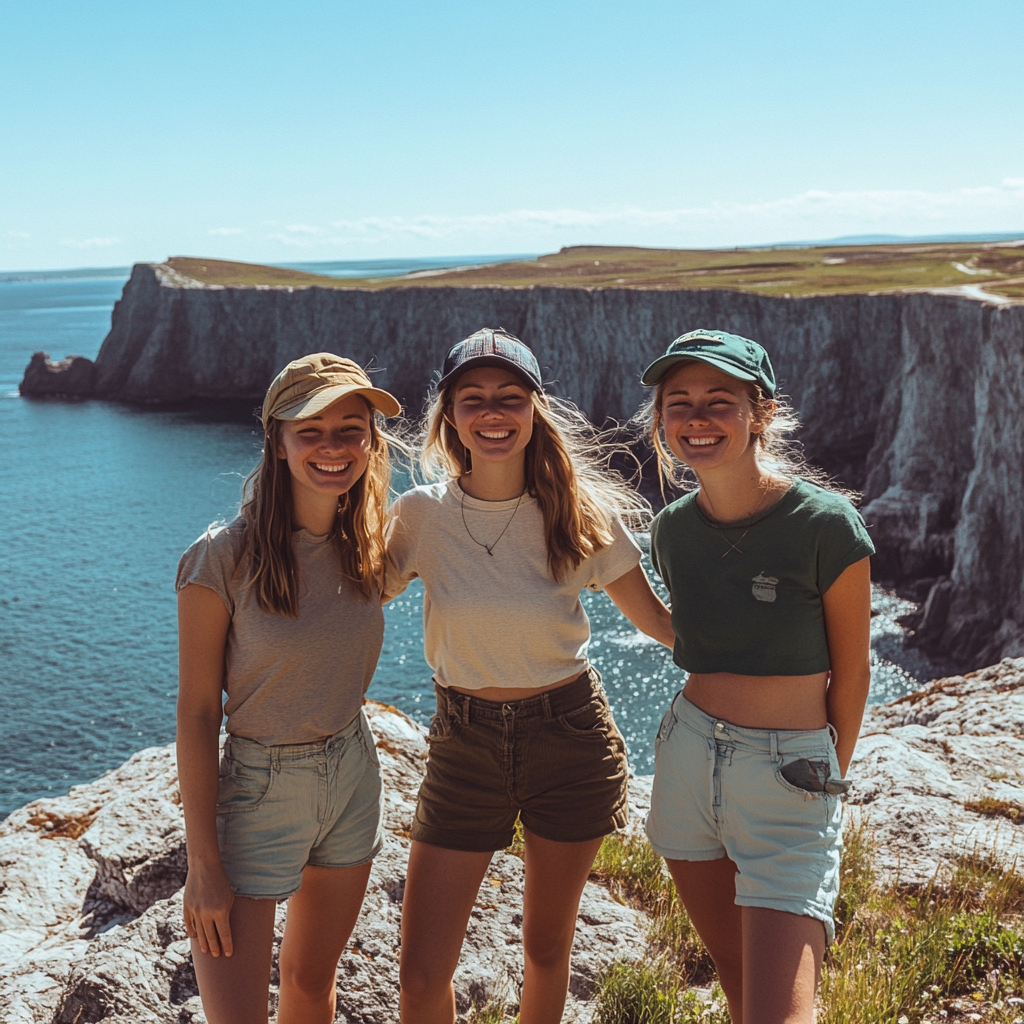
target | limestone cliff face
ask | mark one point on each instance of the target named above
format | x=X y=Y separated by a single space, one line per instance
x=916 y=399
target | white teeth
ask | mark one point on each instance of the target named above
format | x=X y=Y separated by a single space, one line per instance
x=331 y=469
x=496 y=435
x=702 y=440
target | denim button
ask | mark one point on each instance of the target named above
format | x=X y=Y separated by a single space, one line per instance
x=719 y=727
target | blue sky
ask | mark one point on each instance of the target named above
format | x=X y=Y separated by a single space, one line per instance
x=335 y=130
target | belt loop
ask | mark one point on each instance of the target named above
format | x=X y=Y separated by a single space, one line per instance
x=774 y=740
x=275 y=759
x=464 y=708
x=545 y=703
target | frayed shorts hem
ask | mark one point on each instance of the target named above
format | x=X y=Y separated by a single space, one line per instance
x=277 y=898
x=793 y=907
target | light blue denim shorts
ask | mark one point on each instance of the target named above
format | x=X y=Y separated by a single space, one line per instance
x=283 y=807
x=768 y=800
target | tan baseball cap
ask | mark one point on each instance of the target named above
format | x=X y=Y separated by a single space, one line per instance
x=307 y=386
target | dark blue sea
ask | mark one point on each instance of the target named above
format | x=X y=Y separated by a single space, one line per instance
x=97 y=502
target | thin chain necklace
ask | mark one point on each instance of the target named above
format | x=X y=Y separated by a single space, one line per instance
x=735 y=545
x=489 y=548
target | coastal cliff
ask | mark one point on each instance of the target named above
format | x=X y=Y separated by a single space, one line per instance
x=913 y=398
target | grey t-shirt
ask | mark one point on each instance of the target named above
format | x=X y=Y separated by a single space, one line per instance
x=289 y=680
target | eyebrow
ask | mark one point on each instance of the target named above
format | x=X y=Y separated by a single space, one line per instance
x=710 y=391
x=351 y=416
x=507 y=384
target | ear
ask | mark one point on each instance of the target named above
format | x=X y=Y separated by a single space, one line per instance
x=764 y=413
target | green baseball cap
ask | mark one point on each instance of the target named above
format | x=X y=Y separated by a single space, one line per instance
x=739 y=357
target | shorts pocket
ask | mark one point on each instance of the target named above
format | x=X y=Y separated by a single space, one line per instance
x=442 y=727
x=668 y=723
x=242 y=787
x=593 y=720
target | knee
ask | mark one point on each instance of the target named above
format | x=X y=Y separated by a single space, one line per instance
x=420 y=983
x=307 y=984
x=545 y=950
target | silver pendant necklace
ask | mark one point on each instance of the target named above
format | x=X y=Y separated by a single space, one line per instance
x=489 y=548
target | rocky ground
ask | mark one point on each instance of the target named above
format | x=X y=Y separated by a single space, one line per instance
x=90 y=897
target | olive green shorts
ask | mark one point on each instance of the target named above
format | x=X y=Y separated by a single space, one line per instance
x=556 y=760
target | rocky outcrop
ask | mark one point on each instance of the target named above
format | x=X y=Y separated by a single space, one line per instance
x=913 y=398
x=90 y=908
x=939 y=774
x=73 y=377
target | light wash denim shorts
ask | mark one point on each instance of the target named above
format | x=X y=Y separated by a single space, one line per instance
x=283 y=807
x=768 y=800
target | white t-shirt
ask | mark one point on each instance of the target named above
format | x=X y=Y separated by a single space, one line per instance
x=496 y=619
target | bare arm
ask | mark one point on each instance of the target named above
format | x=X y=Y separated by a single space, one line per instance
x=636 y=599
x=847 y=605
x=203 y=622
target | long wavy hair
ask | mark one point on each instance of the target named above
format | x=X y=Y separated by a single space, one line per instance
x=776 y=450
x=357 y=532
x=567 y=471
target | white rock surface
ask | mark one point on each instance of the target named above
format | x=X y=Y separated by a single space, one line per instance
x=90 y=905
x=90 y=899
x=923 y=757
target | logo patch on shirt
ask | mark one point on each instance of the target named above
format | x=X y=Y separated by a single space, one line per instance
x=764 y=587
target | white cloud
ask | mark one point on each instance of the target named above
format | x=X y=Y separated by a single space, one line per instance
x=814 y=213
x=225 y=231
x=303 y=229
x=18 y=234
x=89 y=243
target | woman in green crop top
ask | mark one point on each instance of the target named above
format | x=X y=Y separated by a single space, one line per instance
x=770 y=590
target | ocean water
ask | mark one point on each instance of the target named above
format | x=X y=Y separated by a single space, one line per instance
x=97 y=502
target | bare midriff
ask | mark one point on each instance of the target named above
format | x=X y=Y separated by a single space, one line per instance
x=507 y=694
x=761 y=702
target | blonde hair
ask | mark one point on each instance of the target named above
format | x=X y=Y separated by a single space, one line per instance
x=357 y=532
x=775 y=449
x=567 y=471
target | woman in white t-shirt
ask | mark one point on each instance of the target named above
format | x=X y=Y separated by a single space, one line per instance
x=523 y=518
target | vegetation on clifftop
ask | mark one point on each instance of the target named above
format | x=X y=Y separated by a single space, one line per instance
x=997 y=267
x=952 y=951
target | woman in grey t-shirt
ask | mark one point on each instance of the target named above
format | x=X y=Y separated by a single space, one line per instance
x=281 y=611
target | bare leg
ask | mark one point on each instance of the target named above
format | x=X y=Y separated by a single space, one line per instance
x=440 y=889
x=235 y=988
x=782 y=956
x=707 y=889
x=555 y=876
x=321 y=916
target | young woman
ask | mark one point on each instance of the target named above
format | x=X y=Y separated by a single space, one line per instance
x=282 y=611
x=770 y=593
x=522 y=520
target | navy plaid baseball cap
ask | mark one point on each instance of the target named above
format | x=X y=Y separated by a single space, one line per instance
x=489 y=347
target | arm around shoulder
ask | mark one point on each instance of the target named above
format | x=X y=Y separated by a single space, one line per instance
x=634 y=596
x=847 y=609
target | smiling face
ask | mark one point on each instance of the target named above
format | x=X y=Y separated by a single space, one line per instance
x=708 y=417
x=328 y=453
x=492 y=410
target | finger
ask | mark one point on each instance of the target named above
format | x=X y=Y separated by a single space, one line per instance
x=223 y=924
x=190 y=928
x=212 y=941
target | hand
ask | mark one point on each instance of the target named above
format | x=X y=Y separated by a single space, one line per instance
x=207 y=909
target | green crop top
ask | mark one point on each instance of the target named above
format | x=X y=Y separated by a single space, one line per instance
x=746 y=598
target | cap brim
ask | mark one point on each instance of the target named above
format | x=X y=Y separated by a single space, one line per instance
x=320 y=400
x=654 y=373
x=490 y=360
